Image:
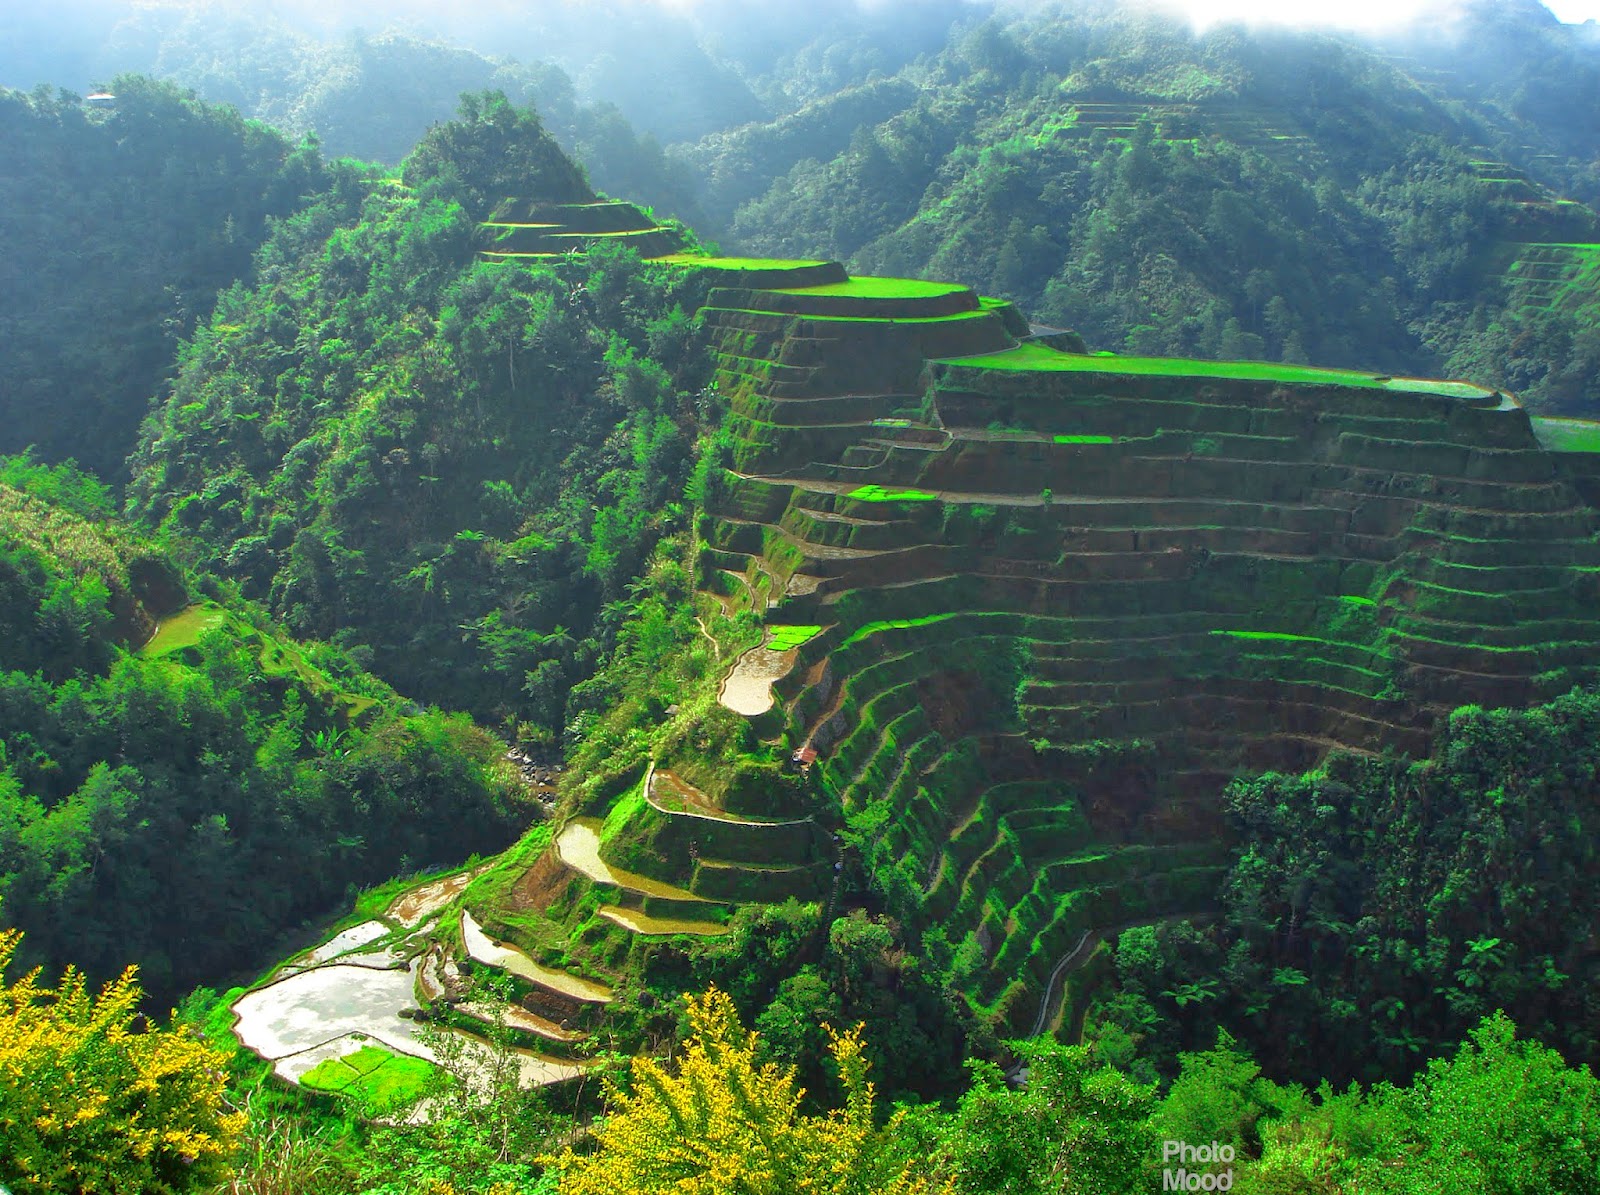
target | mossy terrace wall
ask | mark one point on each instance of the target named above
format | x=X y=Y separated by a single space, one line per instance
x=1107 y=587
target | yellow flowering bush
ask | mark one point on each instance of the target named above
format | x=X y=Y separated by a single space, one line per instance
x=90 y=1104
x=723 y=1123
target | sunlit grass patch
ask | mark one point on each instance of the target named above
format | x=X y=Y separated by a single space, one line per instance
x=1567 y=435
x=1084 y=439
x=739 y=263
x=184 y=629
x=1039 y=357
x=380 y=1080
x=786 y=638
x=878 y=493
x=895 y=624
x=878 y=288
x=1276 y=636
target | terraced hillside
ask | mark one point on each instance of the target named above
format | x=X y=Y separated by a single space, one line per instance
x=532 y=229
x=1547 y=248
x=1061 y=598
x=1028 y=609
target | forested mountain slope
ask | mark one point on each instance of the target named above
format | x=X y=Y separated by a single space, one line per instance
x=373 y=94
x=913 y=667
x=180 y=782
x=119 y=228
x=1235 y=193
x=450 y=467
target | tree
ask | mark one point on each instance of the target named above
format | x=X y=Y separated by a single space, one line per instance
x=496 y=150
x=90 y=1103
x=1073 y=1128
x=720 y=1122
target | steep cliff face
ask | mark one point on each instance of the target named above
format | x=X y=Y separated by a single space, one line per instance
x=1046 y=603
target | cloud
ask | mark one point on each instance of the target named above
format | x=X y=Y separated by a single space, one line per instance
x=1365 y=15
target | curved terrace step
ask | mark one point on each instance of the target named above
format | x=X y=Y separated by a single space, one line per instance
x=483 y=949
x=578 y=846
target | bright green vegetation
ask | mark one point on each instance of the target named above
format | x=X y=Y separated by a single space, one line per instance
x=894 y=624
x=1567 y=435
x=277 y=657
x=737 y=263
x=377 y=1078
x=878 y=493
x=183 y=629
x=1038 y=357
x=1269 y=635
x=878 y=288
x=786 y=638
x=454 y=525
x=196 y=767
x=1067 y=439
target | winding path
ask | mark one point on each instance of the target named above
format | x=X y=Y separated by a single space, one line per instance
x=1055 y=977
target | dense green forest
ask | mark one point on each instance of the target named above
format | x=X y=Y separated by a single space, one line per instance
x=184 y=806
x=1290 y=195
x=1376 y=909
x=1232 y=194
x=132 y=220
x=310 y=512
x=450 y=468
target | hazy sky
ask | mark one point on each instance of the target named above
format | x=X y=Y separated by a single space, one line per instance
x=1364 y=14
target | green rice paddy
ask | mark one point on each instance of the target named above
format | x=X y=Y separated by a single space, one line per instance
x=878 y=493
x=277 y=657
x=878 y=288
x=895 y=624
x=1274 y=636
x=184 y=629
x=1037 y=357
x=377 y=1078
x=787 y=638
x=1567 y=435
x=740 y=263
x=953 y=317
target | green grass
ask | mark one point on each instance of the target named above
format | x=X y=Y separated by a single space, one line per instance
x=877 y=493
x=954 y=317
x=184 y=629
x=896 y=624
x=1275 y=636
x=1351 y=599
x=277 y=657
x=1038 y=357
x=740 y=263
x=878 y=288
x=1084 y=439
x=786 y=638
x=1567 y=435
x=627 y=807
x=380 y=1080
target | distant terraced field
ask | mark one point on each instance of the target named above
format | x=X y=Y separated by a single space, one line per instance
x=1028 y=611
x=1066 y=597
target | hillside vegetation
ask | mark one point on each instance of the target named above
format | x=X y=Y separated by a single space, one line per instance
x=1233 y=194
x=178 y=793
x=857 y=659
x=450 y=467
x=120 y=228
